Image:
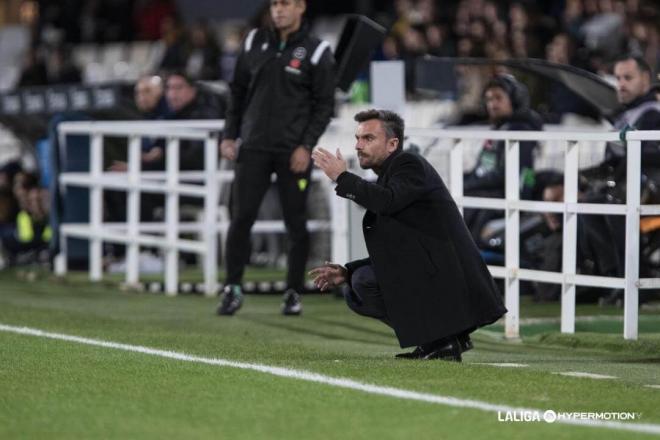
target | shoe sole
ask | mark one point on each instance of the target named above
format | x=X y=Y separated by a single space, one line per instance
x=452 y=358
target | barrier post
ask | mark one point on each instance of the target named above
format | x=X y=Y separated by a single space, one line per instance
x=96 y=208
x=133 y=210
x=512 y=237
x=456 y=173
x=172 y=217
x=631 y=295
x=211 y=214
x=569 y=239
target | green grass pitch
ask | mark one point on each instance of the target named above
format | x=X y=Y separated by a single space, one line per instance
x=56 y=389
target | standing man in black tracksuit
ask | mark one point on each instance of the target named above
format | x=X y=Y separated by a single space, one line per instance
x=281 y=102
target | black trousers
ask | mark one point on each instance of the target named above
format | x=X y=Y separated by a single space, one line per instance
x=363 y=295
x=365 y=298
x=251 y=181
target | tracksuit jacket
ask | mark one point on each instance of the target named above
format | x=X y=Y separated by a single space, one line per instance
x=282 y=94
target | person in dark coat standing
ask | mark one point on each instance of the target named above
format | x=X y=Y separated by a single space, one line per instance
x=424 y=276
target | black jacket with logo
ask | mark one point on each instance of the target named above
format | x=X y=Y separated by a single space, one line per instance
x=282 y=94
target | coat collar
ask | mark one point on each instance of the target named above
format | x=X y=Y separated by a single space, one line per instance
x=382 y=169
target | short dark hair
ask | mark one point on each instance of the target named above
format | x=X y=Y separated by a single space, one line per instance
x=182 y=74
x=392 y=123
x=642 y=65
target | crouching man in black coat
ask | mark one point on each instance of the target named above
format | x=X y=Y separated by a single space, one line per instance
x=424 y=276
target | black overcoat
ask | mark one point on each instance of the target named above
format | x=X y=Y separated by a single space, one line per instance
x=433 y=280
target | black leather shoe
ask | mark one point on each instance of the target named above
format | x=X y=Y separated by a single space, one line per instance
x=463 y=342
x=450 y=351
x=417 y=353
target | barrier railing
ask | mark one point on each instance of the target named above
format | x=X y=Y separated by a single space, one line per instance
x=570 y=208
x=172 y=182
x=134 y=234
x=134 y=182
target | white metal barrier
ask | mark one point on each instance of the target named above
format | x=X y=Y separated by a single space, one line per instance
x=134 y=234
x=512 y=206
x=172 y=182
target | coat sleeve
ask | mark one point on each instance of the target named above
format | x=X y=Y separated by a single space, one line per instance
x=406 y=184
x=238 y=90
x=353 y=266
x=323 y=90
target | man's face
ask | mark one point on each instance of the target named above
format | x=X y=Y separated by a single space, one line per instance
x=179 y=93
x=631 y=83
x=287 y=14
x=498 y=103
x=147 y=94
x=372 y=144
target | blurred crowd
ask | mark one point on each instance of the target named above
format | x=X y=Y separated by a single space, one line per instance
x=25 y=232
x=585 y=33
x=195 y=49
x=589 y=34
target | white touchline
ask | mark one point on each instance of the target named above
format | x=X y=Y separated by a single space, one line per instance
x=583 y=374
x=501 y=364
x=328 y=380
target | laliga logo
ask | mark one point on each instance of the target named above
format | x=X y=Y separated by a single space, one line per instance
x=550 y=416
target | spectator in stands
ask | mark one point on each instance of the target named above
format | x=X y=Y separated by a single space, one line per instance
x=507 y=105
x=30 y=233
x=8 y=207
x=150 y=101
x=149 y=17
x=61 y=68
x=174 y=40
x=281 y=102
x=559 y=99
x=640 y=110
x=203 y=53
x=187 y=102
x=413 y=45
x=34 y=71
x=149 y=94
x=438 y=41
x=150 y=97
x=602 y=30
